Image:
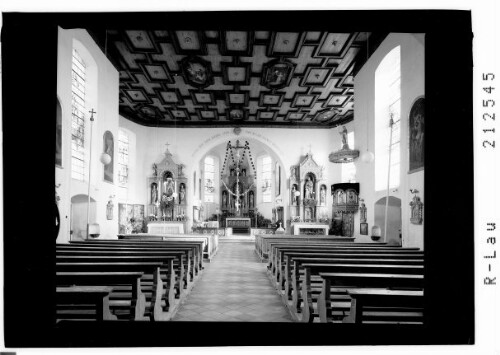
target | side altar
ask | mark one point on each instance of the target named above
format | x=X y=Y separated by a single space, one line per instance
x=168 y=191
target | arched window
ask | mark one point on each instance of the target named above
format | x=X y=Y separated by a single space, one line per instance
x=266 y=178
x=348 y=170
x=58 y=134
x=123 y=157
x=387 y=105
x=209 y=176
x=78 y=77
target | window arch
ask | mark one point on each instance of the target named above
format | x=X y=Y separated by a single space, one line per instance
x=209 y=178
x=266 y=178
x=387 y=106
x=83 y=99
x=123 y=157
x=78 y=88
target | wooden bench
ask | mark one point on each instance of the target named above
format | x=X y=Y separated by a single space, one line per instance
x=211 y=242
x=190 y=264
x=353 y=280
x=262 y=248
x=167 y=271
x=277 y=266
x=151 y=282
x=83 y=303
x=179 y=260
x=194 y=256
x=294 y=270
x=129 y=303
x=305 y=297
x=403 y=306
x=197 y=245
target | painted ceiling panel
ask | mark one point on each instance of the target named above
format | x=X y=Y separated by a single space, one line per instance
x=258 y=78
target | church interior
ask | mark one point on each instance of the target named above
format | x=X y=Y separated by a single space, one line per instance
x=243 y=175
x=240 y=137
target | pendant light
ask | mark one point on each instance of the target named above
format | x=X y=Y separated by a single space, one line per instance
x=367 y=157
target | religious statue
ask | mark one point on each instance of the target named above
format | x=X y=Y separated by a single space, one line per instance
x=343 y=133
x=182 y=193
x=309 y=189
x=294 y=197
x=168 y=186
x=251 y=199
x=154 y=193
x=109 y=210
x=164 y=204
x=155 y=170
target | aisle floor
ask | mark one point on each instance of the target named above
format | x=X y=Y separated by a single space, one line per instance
x=234 y=287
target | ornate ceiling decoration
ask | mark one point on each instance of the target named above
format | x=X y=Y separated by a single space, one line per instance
x=248 y=78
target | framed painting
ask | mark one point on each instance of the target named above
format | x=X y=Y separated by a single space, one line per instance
x=363 y=228
x=416 y=126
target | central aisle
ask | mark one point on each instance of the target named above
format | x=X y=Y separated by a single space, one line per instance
x=234 y=287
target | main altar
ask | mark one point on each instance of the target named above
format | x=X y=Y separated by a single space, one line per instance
x=167 y=187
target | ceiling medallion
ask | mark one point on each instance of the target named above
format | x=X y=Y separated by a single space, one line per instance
x=277 y=74
x=197 y=72
x=344 y=155
x=237 y=130
x=325 y=115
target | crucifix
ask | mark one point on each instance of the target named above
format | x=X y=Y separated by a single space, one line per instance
x=167 y=144
x=92 y=114
x=309 y=148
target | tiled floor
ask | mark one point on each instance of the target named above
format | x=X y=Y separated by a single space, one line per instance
x=233 y=288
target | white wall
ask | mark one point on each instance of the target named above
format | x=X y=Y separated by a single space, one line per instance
x=412 y=86
x=102 y=96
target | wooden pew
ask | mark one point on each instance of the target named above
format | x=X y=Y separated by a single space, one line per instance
x=404 y=306
x=167 y=272
x=354 y=280
x=211 y=241
x=190 y=260
x=194 y=255
x=151 y=282
x=311 y=284
x=198 y=246
x=179 y=260
x=294 y=270
x=261 y=241
x=277 y=266
x=83 y=303
x=133 y=306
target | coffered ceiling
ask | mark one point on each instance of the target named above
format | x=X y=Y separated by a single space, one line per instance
x=237 y=78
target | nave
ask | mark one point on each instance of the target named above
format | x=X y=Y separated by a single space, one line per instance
x=233 y=288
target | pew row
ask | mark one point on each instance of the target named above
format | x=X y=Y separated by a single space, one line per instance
x=83 y=303
x=210 y=241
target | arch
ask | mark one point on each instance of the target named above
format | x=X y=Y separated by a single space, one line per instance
x=388 y=107
x=394 y=219
x=254 y=140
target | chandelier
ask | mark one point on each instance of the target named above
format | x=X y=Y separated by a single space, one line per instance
x=237 y=153
x=344 y=155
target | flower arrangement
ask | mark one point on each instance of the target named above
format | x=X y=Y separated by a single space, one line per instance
x=295 y=219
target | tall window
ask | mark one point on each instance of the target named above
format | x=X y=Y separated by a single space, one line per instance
x=348 y=171
x=123 y=155
x=387 y=105
x=266 y=178
x=209 y=179
x=77 y=117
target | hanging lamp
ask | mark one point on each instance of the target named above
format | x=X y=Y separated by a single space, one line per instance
x=344 y=155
